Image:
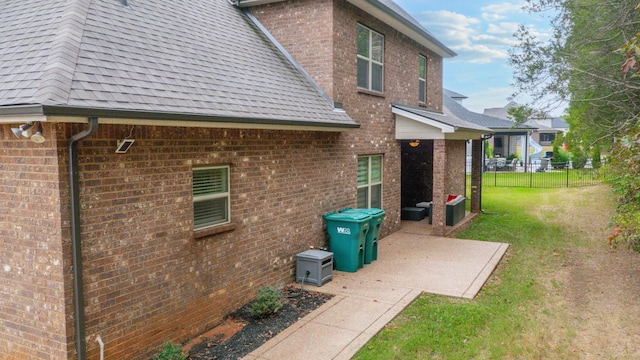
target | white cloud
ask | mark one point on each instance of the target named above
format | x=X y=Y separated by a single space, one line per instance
x=466 y=36
x=492 y=17
x=495 y=12
x=503 y=8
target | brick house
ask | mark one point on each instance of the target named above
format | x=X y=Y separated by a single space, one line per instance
x=183 y=152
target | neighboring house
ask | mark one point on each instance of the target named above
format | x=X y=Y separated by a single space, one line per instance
x=185 y=151
x=545 y=128
x=548 y=129
x=508 y=139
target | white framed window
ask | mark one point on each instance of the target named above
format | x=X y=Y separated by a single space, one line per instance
x=370 y=59
x=211 y=205
x=370 y=181
x=422 y=79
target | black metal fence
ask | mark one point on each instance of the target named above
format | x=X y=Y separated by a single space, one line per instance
x=541 y=174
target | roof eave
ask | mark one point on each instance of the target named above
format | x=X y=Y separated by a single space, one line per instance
x=392 y=18
x=11 y=114
x=250 y=3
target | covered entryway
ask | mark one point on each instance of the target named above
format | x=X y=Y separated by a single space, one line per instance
x=434 y=157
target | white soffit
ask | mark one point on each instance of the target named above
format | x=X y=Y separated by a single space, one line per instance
x=410 y=126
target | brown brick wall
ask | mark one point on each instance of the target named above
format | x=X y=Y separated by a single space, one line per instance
x=456 y=164
x=372 y=111
x=146 y=278
x=32 y=249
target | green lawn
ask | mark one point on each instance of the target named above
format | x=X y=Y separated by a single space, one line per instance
x=497 y=323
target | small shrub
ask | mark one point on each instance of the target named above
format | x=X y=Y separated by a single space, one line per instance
x=170 y=352
x=578 y=159
x=269 y=301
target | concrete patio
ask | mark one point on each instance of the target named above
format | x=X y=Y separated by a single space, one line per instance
x=409 y=263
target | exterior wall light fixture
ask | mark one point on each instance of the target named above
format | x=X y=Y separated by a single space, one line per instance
x=25 y=131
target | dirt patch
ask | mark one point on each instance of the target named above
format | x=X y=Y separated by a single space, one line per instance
x=242 y=333
x=592 y=307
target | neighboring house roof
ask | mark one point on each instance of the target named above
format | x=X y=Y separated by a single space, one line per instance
x=501 y=112
x=393 y=15
x=541 y=127
x=197 y=59
x=492 y=122
x=456 y=96
x=559 y=123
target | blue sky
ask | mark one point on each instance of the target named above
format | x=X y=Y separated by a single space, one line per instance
x=481 y=33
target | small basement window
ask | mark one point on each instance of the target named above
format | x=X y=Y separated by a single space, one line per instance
x=211 y=205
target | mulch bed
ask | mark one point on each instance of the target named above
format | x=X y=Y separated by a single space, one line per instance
x=257 y=331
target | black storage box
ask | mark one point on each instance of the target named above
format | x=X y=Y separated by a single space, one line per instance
x=412 y=213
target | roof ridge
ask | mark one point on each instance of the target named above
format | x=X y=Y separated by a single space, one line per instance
x=61 y=63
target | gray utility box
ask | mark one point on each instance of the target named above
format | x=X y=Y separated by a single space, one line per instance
x=314 y=267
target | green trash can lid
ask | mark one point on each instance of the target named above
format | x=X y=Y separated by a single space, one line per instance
x=367 y=211
x=373 y=211
x=347 y=216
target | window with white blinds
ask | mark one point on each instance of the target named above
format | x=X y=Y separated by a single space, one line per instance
x=210 y=197
x=370 y=181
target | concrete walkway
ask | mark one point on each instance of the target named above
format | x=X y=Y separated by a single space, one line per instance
x=409 y=263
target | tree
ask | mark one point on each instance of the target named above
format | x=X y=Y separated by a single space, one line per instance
x=592 y=62
x=579 y=65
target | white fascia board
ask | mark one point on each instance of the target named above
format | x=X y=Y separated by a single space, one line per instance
x=444 y=128
x=198 y=124
x=22 y=119
x=249 y=3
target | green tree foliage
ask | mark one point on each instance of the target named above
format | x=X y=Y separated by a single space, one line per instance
x=624 y=177
x=580 y=64
x=592 y=62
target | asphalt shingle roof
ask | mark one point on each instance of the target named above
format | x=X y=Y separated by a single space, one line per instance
x=445 y=117
x=491 y=122
x=198 y=57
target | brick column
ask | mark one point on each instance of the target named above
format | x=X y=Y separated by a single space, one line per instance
x=439 y=181
x=476 y=175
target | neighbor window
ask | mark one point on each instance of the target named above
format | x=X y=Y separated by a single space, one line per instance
x=210 y=196
x=547 y=137
x=370 y=59
x=422 y=80
x=370 y=181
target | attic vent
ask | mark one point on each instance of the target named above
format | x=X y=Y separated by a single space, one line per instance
x=124 y=2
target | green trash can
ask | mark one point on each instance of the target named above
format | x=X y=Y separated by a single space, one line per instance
x=347 y=234
x=373 y=235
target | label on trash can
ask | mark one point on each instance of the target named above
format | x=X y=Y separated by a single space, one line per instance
x=343 y=230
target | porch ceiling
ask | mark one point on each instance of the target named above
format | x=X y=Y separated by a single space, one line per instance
x=416 y=123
